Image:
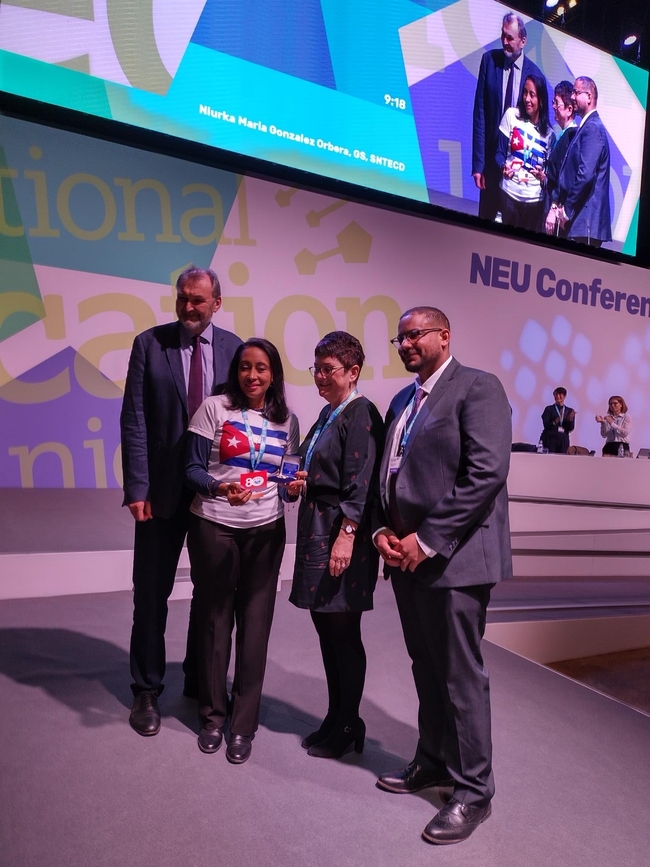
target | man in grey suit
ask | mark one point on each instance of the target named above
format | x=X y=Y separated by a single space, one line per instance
x=172 y=369
x=443 y=533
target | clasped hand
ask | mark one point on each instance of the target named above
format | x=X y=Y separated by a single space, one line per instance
x=405 y=553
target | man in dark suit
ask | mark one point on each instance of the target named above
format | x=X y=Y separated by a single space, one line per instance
x=564 y=111
x=501 y=78
x=443 y=533
x=172 y=369
x=583 y=197
x=558 y=421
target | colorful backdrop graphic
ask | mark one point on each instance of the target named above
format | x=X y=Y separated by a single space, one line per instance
x=374 y=92
x=92 y=236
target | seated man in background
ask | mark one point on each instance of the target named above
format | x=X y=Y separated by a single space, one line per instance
x=558 y=421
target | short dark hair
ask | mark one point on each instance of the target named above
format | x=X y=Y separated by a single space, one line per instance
x=275 y=406
x=433 y=315
x=560 y=390
x=342 y=346
x=509 y=17
x=590 y=85
x=192 y=274
x=617 y=397
x=564 y=89
x=542 y=100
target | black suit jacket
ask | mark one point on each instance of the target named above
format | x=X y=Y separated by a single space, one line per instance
x=488 y=102
x=451 y=484
x=154 y=415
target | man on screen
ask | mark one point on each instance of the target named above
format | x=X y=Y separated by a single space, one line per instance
x=501 y=78
x=583 y=195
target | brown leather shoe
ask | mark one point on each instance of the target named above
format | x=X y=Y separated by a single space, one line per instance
x=412 y=778
x=209 y=740
x=239 y=749
x=145 y=715
x=455 y=822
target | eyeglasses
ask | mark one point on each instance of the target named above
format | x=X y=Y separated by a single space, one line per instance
x=325 y=371
x=559 y=104
x=578 y=92
x=412 y=336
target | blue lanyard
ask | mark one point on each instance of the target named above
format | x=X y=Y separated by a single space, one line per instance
x=256 y=457
x=322 y=427
x=406 y=433
x=561 y=414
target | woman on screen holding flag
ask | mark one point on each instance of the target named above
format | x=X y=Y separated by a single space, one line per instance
x=525 y=140
x=236 y=537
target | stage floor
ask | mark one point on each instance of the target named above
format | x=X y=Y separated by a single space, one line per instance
x=79 y=787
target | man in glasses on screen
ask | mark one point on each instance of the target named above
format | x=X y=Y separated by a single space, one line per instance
x=583 y=195
x=500 y=84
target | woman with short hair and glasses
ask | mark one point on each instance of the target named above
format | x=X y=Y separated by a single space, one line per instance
x=336 y=562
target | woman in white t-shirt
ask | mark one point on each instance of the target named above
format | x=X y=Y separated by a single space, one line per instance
x=236 y=537
x=525 y=141
x=615 y=427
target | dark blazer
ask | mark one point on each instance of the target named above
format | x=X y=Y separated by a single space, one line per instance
x=488 y=112
x=584 y=182
x=550 y=415
x=154 y=415
x=553 y=166
x=451 y=485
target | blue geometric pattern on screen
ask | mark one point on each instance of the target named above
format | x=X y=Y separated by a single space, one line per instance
x=286 y=35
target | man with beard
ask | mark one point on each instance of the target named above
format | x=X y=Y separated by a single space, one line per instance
x=501 y=78
x=172 y=369
x=443 y=533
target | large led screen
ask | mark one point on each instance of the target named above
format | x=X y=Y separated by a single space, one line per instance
x=378 y=93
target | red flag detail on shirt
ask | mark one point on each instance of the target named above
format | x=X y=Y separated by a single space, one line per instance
x=233 y=444
x=516 y=140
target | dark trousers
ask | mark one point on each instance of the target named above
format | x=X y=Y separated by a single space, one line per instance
x=489 y=199
x=524 y=215
x=443 y=631
x=157 y=548
x=235 y=574
x=557 y=443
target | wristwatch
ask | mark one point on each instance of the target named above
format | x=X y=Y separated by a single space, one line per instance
x=349 y=529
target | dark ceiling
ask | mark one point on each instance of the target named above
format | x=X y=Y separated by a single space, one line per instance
x=601 y=22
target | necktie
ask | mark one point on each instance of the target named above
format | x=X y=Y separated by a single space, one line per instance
x=393 y=514
x=195 y=384
x=507 y=102
x=419 y=396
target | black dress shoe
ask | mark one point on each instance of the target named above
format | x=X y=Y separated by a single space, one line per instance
x=210 y=740
x=339 y=741
x=455 y=822
x=239 y=749
x=412 y=778
x=145 y=716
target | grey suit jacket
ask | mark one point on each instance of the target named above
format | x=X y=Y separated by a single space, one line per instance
x=451 y=485
x=154 y=415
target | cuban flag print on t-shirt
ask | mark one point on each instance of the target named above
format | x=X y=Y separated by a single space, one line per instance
x=234 y=449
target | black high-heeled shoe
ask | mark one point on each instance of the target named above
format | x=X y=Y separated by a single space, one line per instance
x=320 y=734
x=339 y=741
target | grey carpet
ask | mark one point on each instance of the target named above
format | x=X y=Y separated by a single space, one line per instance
x=79 y=787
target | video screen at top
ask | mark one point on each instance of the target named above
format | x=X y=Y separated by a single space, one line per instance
x=439 y=101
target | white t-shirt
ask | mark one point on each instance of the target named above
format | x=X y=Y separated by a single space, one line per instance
x=527 y=149
x=230 y=457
